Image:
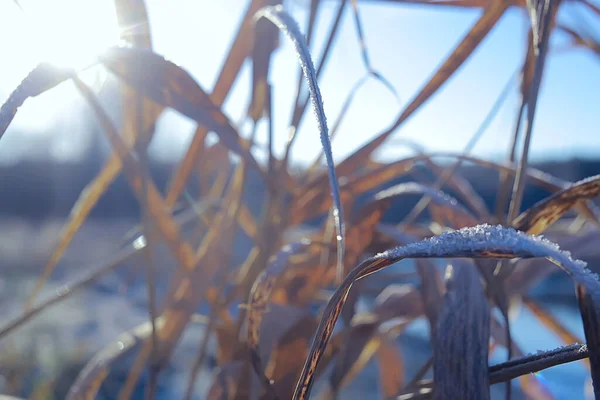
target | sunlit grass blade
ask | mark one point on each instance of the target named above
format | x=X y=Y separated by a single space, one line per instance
x=365 y=53
x=67 y=290
x=85 y=203
x=391 y=367
x=268 y=39
x=261 y=294
x=334 y=129
x=134 y=27
x=300 y=106
x=238 y=52
x=464 y=49
x=482 y=241
x=90 y=378
x=41 y=79
x=541 y=215
x=207 y=261
x=169 y=85
x=285 y=23
x=545 y=24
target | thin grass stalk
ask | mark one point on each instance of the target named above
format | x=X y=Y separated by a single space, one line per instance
x=448 y=172
x=549 y=12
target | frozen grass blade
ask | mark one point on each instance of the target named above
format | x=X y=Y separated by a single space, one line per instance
x=462 y=337
x=300 y=107
x=482 y=241
x=287 y=25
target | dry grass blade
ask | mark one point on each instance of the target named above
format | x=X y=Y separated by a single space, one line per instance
x=42 y=78
x=70 y=288
x=449 y=3
x=541 y=215
x=91 y=376
x=240 y=49
x=391 y=367
x=462 y=337
x=268 y=36
x=364 y=51
x=432 y=288
x=448 y=173
x=579 y=40
x=465 y=48
x=542 y=24
x=169 y=85
x=482 y=241
x=552 y=323
x=85 y=203
x=261 y=293
x=132 y=17
x=287 y=24
x=459 y=214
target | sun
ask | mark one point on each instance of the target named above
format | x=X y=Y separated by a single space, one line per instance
x=67 y=33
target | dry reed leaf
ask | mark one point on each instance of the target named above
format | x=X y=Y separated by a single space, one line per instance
x=482 y=241
x=299 y=284
x=582 y=40
x=464 y=189
x=93 y=374
x=68 y=289
x=41 y=79
x=229 y=383
x=460 y=346
x=260 y=296
x=545 y=212
x=290 y=345
x=493 y=11
x=262 y=51
x=543 y=179
x=239 y=51
x=287 y=25
x=170 y=85
x=365 y=53
x=447 y=204
x=550 y=322
x=391 y=367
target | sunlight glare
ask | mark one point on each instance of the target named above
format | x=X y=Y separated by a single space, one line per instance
x=67 y=33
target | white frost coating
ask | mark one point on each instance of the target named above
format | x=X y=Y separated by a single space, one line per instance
x=473 y=241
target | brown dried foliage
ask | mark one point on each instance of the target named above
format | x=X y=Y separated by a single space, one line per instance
x=276 y=347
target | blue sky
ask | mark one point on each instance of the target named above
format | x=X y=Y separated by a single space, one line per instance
x=406 y=44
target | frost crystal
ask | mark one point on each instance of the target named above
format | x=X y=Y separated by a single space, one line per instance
x=488 y=240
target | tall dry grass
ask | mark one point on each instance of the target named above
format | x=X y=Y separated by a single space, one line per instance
x=276 y=316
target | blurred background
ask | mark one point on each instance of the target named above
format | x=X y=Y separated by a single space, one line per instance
x=54 y=146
